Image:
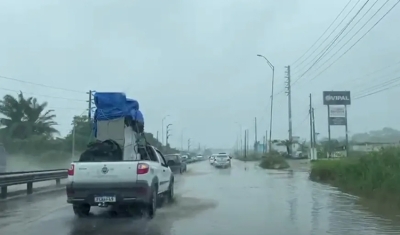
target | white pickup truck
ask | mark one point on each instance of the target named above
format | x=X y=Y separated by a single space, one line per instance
x=129 y=185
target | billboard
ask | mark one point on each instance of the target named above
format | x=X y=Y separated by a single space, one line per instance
x=337 y=115
x=336 y=97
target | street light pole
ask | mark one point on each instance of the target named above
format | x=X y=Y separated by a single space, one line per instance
x=167 y=134
x=162 y=129
x=272 y=99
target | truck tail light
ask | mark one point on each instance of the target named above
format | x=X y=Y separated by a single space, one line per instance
x=142 y=168
x=71 y=170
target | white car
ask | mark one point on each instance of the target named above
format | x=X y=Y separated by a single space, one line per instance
x=212 y=159
x=126 y=184
x=222 y=160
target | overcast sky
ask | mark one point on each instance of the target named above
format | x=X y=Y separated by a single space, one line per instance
x=196 y=61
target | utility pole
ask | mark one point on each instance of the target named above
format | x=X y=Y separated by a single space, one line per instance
x=264 y=143
x=289 y=94
x=90 y=104
x=90 y=101
x=245 y=144
x=311 y=131
x=255 y=134
x=188 y=145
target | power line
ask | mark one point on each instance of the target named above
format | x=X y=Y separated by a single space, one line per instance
x=303 y=120
x=379 y=91
x=331 y=43
x=358 y=21
x=351 y=47
x=48 y=96
x=381 y=85
x=330 y=33
x=39 y=84
x=326 y=30
x=296 y=80
x=372 y=73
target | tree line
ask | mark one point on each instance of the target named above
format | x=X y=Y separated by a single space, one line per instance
x=29 y=127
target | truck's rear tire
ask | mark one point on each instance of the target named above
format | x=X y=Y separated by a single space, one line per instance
x=151 y=206
x=81 y=210
x=170 y=193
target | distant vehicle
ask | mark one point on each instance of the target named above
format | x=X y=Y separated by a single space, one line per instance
x=226 y=154
x=199 y=157
x=176 y=162
x=211 y=159
x=222 y=160
x=184 y=156
x=101 y=181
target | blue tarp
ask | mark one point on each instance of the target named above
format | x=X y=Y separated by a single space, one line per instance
x=137 y=115
x=113 y=105
x=110 y=105
x=132 y=104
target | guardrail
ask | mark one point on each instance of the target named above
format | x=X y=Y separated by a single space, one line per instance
x=28 y=178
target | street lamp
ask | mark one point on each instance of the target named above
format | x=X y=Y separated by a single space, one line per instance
x=162 y=129
x=272 y=99
x=167 y=134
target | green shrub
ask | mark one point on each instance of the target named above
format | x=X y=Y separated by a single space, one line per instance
x=274 y=160
x=375 y=174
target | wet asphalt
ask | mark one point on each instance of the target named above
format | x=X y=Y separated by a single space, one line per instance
x=237 y=201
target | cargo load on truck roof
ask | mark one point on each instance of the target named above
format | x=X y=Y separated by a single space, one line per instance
x=118 y=128
x=114 y=106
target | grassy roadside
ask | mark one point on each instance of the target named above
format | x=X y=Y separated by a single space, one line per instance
x=374 y=176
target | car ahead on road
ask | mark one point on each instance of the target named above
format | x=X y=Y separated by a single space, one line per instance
x=226 y=154
x=222 y=161
x=211 y=159
x=176 y=162
x=191 y=159
x=127 y=185
x=199 y=158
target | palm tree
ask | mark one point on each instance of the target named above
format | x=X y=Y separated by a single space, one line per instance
x=24 y=117
x=13 y=110
x=39 y=123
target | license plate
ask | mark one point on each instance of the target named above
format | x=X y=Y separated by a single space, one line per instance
x=105 y=199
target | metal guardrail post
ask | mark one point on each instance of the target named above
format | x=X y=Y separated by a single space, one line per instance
x=3 y=192
x=29 y=188
x=28 y=178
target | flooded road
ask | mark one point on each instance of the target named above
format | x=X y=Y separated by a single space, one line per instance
x=211 y=202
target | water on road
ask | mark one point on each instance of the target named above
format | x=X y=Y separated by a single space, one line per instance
x=241 y=200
